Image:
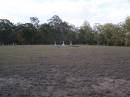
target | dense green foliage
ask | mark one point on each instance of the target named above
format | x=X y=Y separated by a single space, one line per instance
x=57 y=30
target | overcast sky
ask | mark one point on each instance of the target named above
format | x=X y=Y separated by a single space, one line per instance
x=72 y=11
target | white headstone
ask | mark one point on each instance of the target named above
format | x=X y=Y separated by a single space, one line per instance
x=63 y=44
x=55 y=43
x=70 y=43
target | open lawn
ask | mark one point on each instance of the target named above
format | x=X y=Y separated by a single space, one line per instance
x=76 y=71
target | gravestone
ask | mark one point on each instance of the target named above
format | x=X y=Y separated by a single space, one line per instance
x=63 y=44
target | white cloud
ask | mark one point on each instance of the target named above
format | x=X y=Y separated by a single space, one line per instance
x=73 y=11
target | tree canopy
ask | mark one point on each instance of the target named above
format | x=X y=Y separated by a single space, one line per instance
x=57 y=30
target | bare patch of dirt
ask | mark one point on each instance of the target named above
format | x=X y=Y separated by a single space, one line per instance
x=48 y=71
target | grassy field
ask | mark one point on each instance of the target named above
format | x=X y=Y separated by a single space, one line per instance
x=76 y=71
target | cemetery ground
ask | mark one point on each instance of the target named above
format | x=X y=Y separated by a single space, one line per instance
x=69 y=71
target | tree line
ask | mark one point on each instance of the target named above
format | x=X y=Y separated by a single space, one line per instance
x=57 y=30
